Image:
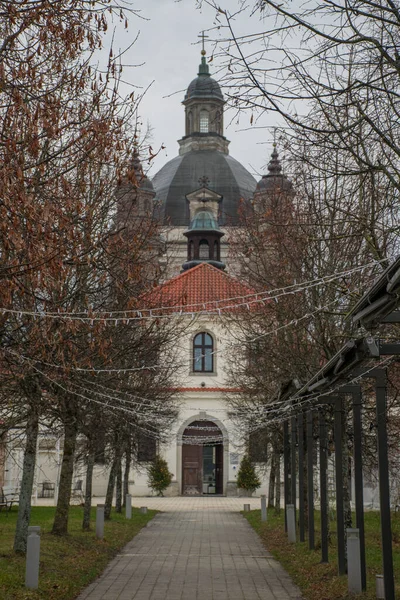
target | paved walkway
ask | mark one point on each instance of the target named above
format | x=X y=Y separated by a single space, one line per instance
x=199 y=548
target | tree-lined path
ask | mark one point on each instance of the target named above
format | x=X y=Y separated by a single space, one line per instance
x=197 y=548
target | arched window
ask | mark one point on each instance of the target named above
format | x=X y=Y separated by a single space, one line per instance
x=190 y=123
x=204 y=250
x=216 y=248
x=203 y=357
x=204 y=121
x=217 y=122
x=190 y=251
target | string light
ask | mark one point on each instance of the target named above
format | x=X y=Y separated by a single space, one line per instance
x=182 y=310
x=94 y=370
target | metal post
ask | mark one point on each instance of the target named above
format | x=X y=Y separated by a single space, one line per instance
x=358 y=480
x=286 y=454
x=353 y=561
x=100 y=521
x=263 y=507
x=310 y=479
x=32 y=558
x=323 y=465
x=300 y=421
x=293 y=427
x=128 y=506
x=291 y=521
x=380 y=588
x=341 y=549
x=384 y=489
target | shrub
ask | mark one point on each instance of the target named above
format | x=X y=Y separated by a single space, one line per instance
x=247 y=478
x=159 y=477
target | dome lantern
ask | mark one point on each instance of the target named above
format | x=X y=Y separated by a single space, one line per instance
x=204 y=241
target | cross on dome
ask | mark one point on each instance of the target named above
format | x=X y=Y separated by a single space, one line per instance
x=203 y=37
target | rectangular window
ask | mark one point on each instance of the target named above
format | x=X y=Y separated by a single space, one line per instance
x=258 y=446
x=204 y=121
x=146 y=448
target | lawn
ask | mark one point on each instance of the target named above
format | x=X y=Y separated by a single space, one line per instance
x=67 y=564
x=320 y=581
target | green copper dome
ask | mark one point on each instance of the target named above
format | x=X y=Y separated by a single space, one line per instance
x=204 y=221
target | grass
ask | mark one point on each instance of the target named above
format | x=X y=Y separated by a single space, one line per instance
x=67 y=564
x=320 y=581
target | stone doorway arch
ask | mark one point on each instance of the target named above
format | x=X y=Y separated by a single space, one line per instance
x=202 y=456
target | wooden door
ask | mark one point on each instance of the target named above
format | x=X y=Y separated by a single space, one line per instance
x=219 y=469
x=192 y=470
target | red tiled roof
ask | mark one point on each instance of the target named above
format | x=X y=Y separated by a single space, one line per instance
x=203 y=287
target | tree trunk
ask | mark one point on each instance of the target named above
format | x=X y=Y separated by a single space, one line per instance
x=110 y=488
x=277 y=482
x=60 y=525
x=118 y=488
x=88 y=492
x=128 y=460
x=28 y=474
x=271 y=485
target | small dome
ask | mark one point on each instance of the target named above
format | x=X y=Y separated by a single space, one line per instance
x=274 y=178
x=205 y=221
x=204 y=86
x=143 y=181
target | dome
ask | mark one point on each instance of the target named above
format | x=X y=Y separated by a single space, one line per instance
x=204 y=221
x=181 y=175
x=271 y=182
x=203 y=86
x=146 y=184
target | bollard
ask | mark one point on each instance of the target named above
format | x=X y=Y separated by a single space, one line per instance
x=380 y=587
x=100 y=521
x=291 y=523
x=263 y=507
x=246 y=507
x=143 y=510
x=128 y=507
x=32 y=558
x=353 y=561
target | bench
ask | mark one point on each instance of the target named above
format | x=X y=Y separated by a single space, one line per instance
x=8 y=497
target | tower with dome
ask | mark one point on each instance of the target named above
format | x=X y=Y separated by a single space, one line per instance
x=204 y=176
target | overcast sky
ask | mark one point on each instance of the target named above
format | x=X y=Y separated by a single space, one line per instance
x=168 y=50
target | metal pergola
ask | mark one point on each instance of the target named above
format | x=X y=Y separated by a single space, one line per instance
x=338 y=379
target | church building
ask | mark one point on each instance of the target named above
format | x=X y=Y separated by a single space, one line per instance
x=199 y=196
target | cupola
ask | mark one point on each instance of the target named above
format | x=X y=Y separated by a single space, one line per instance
x=135 y=193
x=274 y=190
x=274 y=178
x=204 y=112
x=204 y=241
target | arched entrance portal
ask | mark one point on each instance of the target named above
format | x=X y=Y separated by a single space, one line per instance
x=202 y=459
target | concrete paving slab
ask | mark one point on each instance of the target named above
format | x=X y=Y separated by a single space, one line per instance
x=198 y=548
